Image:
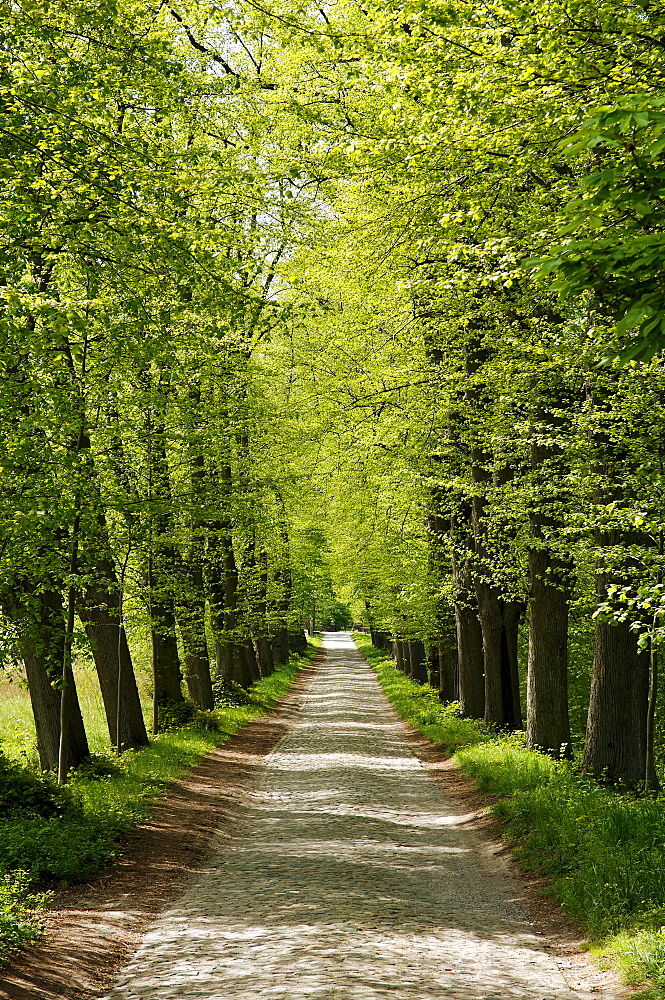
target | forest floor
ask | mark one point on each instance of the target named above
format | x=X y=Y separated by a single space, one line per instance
x=313 y=855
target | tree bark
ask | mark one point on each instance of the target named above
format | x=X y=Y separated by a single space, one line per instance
x=433 y=673
x=263 y=646
x=499 y=621
x=99 y=610
x=167 y=676
x=163 y=568
x=191 y=602
x=417 y=661
x=616 y=733
x=547 y=724
x=190 y=614
x=284 y=579
x=471 y=665
x=381 y=639
x=264 y=655
x=42 y=642
x=448 y=669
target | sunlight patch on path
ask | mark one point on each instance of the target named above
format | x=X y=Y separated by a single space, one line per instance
x=351 y=879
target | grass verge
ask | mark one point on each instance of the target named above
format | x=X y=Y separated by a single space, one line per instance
x=52 y=838
x=603 y=851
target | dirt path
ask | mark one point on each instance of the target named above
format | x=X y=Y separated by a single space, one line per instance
x=349 y=876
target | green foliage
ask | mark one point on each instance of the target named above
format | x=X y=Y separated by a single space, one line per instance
x=19 y=912
x=175 y=715
x=229 y=693
x=615 y=231
x=64 y=851
x=24 y=793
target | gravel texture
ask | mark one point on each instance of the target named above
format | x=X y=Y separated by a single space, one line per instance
x=348 y=877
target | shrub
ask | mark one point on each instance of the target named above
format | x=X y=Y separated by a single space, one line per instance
x=19 y=908
x=26 y=793
x=228 y=693
x=61 y=849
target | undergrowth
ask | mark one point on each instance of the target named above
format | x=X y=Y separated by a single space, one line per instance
x=51 y=837
x=602 y=850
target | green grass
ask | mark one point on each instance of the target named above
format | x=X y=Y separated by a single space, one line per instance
x=603 y=851
x=38 y=851
x=420 y=705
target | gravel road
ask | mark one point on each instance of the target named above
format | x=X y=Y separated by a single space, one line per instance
x=350 y=878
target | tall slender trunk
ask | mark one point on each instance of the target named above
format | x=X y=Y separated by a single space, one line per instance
x=167 y=677
x=99 y=610
x=499 y=621
x=448 y=665
x=264 y=650
x=191 y=619
x=417 y=661
x=547 y=721
x=550 y=583
x=40 y=622
x=651 y=782
x=499 y=615
x=616 y=733
x=444 y=647
x=471 y=665
x=615 y=748
x=283 y=578
x=191 y=599
x=162 y=573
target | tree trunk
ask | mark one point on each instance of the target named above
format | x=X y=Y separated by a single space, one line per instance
x=42 y=642
x=547 y=722
x=197 y=667
x=448 y=670
x=99 y=610
x=248 y=665
x=191 y=603
x=499 y=620
x=616 y=725
x=264 y=655
x=280 y=645
x=163 y=569
x=297 y=640
x=166 y=674
x=191 y=619
x=381 y=639
x=418 y=661
x=262 y=644
x=283 y=577
x=616 y=734
x=433 y=672
x=471 y=662
x=550 y=579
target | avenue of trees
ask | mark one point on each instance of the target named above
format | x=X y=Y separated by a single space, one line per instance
x=367 y=289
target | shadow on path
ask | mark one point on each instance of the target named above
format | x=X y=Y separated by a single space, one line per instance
x=350 y=877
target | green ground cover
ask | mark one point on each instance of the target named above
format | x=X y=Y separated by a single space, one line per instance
x=603 y=851
x=51 y=837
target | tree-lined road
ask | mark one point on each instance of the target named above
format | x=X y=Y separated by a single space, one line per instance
x=350 y=877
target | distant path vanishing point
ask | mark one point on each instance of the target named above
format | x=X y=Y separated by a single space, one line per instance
x=350 y=878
